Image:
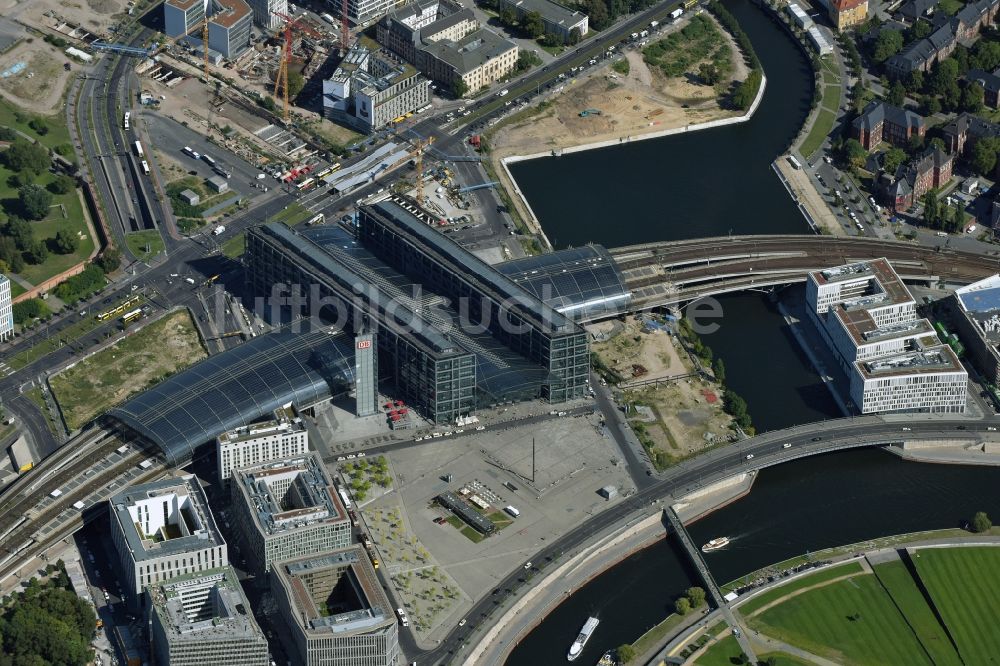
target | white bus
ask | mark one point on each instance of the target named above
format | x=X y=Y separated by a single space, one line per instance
x=794 y=162
x=305 y=184
x=318 y=218
x=145 y=167
x=128 y=115
x=327 y=18
x=138 y=149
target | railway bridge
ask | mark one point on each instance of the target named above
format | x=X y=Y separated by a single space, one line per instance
x=668 y=273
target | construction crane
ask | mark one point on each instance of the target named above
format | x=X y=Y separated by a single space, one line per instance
x=419 y=148
x=345 y=28
x=281 y=80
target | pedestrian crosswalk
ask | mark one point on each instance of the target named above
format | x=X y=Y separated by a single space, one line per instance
x=5 y=370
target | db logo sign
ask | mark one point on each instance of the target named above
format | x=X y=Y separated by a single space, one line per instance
x=364 y=344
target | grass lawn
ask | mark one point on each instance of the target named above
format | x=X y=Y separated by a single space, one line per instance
x=964 y=584
x=782 y=659
x=235 y=246
x=66 y=213
x=294 y=214
x=655 y=636
x=831 y=98
x=820 y=130
x=58 y=133
x=129 y=366
x=16 y=289
x=455 y=522
x=138 y=241
x=896 y=579
x=721 y=653
x=853 y=621
x=816 y=578
x=500 y=519
x=950 y=7
x=472 y=535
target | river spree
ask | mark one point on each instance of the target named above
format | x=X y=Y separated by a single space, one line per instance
x=705 y=183
x=805 y=505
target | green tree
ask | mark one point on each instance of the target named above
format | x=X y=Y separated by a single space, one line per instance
x=533 y=25
x=719 y=370
x=36 y=252
x=932 y=209
x=984 y=155
x=918 y=30
x=32 y=308
x=931 y=105
x=508 y=17
x=295 y=84
x=986 y=55
x=574 y=37
x=696 y=596
x=897 y=94
x=972 y=98
x=34 y=201
x=860 y=96
x=708 y=72
x=109 y=260
x=598 y=13
x=746 y=91
x=957 y=221
x=625 y=653
x=65 y=242
x=944 y=73
x=854 y=153
x=981 y=522
x=887 y=44
x=62 y=184
x=915 y=81
x=892 y=159
x=24 y=156
x=459 y=88
x=682 y=606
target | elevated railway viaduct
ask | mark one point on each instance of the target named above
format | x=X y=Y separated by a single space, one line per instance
x=661 y=274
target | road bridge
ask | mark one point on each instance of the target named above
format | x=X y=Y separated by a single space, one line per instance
x=667 y=273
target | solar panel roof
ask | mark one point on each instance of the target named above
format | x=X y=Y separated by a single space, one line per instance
x=584 y=283
x=238 y=386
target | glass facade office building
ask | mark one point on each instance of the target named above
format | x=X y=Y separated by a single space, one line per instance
x=452 y=333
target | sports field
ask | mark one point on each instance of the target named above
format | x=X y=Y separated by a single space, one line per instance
x=852 y=621
x=964 y=584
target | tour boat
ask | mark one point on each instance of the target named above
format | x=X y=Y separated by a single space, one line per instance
x=715 y=544
x=577 y=647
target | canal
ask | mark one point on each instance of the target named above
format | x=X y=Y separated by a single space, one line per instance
x=710 y=183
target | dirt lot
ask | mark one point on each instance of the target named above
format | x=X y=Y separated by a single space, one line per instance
x=678 y=416
x=130 y=365
x=39 y=86
x=641 y=102
x=92 y=15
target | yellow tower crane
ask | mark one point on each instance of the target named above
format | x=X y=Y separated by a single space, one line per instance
x=420 y=147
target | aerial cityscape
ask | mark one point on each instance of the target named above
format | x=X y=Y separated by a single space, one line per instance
x=499 y=332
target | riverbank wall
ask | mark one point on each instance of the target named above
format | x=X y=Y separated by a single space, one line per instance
x=535 y=225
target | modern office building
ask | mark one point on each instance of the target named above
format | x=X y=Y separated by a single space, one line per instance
x=446 y=42
x=204 y=618
x=368 y=92
x=229 y=23
x=977 y=318
x=162 y=530
x=365 y=12
x=229 y=27
x=183 y=17
x=558 y=20
x=453 y=333
x=893 y=359
x=287 y=509
x=6 y=309
x=336 y=610
x=283 y=437
x=264 y=13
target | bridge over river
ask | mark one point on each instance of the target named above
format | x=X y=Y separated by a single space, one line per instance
x=674 y=272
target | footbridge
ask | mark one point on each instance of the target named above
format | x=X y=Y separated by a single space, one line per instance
x=668 y=273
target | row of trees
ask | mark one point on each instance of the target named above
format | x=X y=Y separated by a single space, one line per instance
x=746 y=91
x=938 y=215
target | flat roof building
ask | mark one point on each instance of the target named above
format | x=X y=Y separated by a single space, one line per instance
x=204 y=618
x=446 y=42
x=283 y=437
x=229 y=23
x=894 y=360
x=336 y=611
x=162 y=530
x=6 y=309
x=558 y=20
x=368 y=92
x=264 y=13
x=287 y=509
x=182 y=17
x=977 y=310
x=409 y=284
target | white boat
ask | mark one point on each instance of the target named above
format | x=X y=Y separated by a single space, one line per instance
x=577 y=647
x=715 y=544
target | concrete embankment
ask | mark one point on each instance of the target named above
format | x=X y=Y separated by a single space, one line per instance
x=949 y=451
x=704 y=501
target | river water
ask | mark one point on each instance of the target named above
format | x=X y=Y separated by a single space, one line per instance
x=703 y=184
